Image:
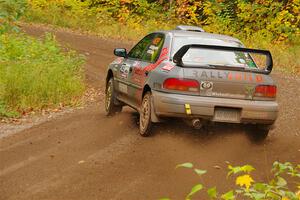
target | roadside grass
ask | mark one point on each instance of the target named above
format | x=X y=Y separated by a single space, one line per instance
x=36 y=74
x=87 y=20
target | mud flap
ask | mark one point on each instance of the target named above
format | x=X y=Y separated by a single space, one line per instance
x=154 y=117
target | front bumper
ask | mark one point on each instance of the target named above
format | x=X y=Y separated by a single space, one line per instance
x=249 y=111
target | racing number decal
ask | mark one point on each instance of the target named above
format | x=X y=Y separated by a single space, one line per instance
x=124 y=71
x=206 y=88
x=205 y=85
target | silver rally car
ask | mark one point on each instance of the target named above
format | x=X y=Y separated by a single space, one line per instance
x=191 y=74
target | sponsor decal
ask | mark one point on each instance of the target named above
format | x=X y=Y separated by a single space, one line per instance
x=118 y=60
x=156 y=40
x=238 y=76
x=154 y=48
x=136 y=63
x=167 y=67
x=221 y=94
x=151 y=52
x=123 y=88
x=138 y=70
x=164 y=52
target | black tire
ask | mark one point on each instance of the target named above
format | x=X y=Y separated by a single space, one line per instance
x=111 y=107
x=258 y=132
x=145 y=116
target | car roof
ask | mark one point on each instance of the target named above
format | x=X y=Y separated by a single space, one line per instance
x=204 y=35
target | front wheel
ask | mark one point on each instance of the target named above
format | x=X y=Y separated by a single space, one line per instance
x=145 y=115
x=110 y=99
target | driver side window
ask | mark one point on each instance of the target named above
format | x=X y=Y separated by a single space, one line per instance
x=138 y=50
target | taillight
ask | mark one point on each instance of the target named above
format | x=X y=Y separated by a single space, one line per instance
x=182 y=85
x=266 y=91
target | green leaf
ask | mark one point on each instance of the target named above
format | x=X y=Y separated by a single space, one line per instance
x=228 y=196
x=281 y=182
x=200 y=171
x=185 y=165
x=233 y=170
x=271 y=195
x=260 y=187
x=291 y=195
x=194 y=190
x=247 y=168
x=258 y=196
x=212 y=193
x=165 y=198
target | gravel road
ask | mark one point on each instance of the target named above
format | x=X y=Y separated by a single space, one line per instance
x=86 y=155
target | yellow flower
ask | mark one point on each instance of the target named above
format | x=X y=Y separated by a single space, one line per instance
x=244 y=180
x=285 y=198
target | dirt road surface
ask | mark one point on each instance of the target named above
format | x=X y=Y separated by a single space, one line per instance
x=86 y=155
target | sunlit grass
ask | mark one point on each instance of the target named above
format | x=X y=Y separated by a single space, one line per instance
x=36 y=74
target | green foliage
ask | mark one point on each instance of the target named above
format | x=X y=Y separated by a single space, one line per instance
x=194 y=190
x=212 y=193
x=36 y=74
x=278 y=20
x=10 y=12
x=246 y=188
x=271 y=24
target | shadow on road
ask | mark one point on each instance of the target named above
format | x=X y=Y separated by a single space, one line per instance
x=209 y=132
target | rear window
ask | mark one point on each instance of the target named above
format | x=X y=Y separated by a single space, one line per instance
x=218 y=57
x=213 y=57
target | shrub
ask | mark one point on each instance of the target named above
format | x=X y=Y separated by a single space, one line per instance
x=10 y=12
x=246 y=188
x=36 y=74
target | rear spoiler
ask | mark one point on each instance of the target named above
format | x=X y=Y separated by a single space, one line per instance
x=177 y=58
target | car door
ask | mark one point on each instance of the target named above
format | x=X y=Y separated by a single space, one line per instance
x=125 y=70
x=142 y=66
x=124 y=74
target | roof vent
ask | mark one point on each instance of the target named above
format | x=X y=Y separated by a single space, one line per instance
x=189 y=28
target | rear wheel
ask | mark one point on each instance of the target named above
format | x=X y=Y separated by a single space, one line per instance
x=145 y=115
x=110 y=99
x=259 y=132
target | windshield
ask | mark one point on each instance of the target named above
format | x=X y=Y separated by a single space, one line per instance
x=198 y=56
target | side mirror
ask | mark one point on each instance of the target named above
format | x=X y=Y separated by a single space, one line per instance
x=120 y=52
